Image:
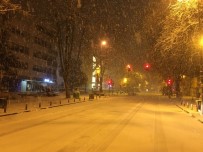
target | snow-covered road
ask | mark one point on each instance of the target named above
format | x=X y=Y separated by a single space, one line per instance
x=115 y=124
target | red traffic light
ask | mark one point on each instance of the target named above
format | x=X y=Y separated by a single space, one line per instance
x=147 y=66
x=110 y=82
x=129 y=67
x=169 y=82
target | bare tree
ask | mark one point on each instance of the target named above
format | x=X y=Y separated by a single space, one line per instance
x=66 y=18
x=175 y=47
x=6 y=6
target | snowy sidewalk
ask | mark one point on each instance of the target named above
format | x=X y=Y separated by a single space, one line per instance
x=31 y=103
x=188 y=105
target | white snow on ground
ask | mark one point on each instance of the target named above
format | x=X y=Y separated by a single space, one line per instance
x=142 y=123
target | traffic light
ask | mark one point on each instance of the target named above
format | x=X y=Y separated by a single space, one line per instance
x=169 y=82
x=110 y=82
x=147 y=66
x=129 y=67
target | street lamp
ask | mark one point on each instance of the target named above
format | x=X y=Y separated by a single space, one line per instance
x=188 y=2
x=183 y=1
x=103 y=44
x=125 y=80
x=201 y=42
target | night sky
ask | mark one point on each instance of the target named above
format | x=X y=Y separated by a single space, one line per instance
x=129 y=25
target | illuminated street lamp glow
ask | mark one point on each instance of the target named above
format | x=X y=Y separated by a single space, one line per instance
x=201 y=42
x=189 y=3
x=103 y=43
x=125 y=80
x=183 y=1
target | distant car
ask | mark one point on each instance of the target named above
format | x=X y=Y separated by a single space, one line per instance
x=52 y=93
x=136 y=90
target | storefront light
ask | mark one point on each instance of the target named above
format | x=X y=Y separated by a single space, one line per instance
x=48 y=81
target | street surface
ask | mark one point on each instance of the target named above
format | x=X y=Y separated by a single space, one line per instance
x=142 y=123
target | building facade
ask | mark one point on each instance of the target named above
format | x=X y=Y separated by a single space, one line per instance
x=32 y=43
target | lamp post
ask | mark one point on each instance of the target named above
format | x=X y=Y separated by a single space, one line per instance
x=103 y=44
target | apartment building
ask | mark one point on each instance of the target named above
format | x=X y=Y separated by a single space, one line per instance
x=32 y=43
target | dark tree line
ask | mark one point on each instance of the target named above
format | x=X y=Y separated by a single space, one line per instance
x=174 y=50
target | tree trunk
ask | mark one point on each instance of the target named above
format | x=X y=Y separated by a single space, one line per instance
x=177 y=87
x=67 y=90
x=101 y=80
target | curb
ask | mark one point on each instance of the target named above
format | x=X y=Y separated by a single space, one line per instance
x=9 y=114
x=42 y=108
x=192 y=115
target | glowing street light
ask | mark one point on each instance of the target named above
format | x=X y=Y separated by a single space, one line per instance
x=103 y=43
x=201 y=42
x=189 y=3
x=125 y=80
x=183 y=1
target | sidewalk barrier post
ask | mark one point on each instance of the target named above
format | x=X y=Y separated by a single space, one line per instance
x=60 y=102
x=40 y=105
x=26 y=106
x=84 y=98
x=187 y=105
x=50 y=103
x=191 y=106
x=5 y=109
x=196 y=107
x=5 y=105
x=91 y=96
